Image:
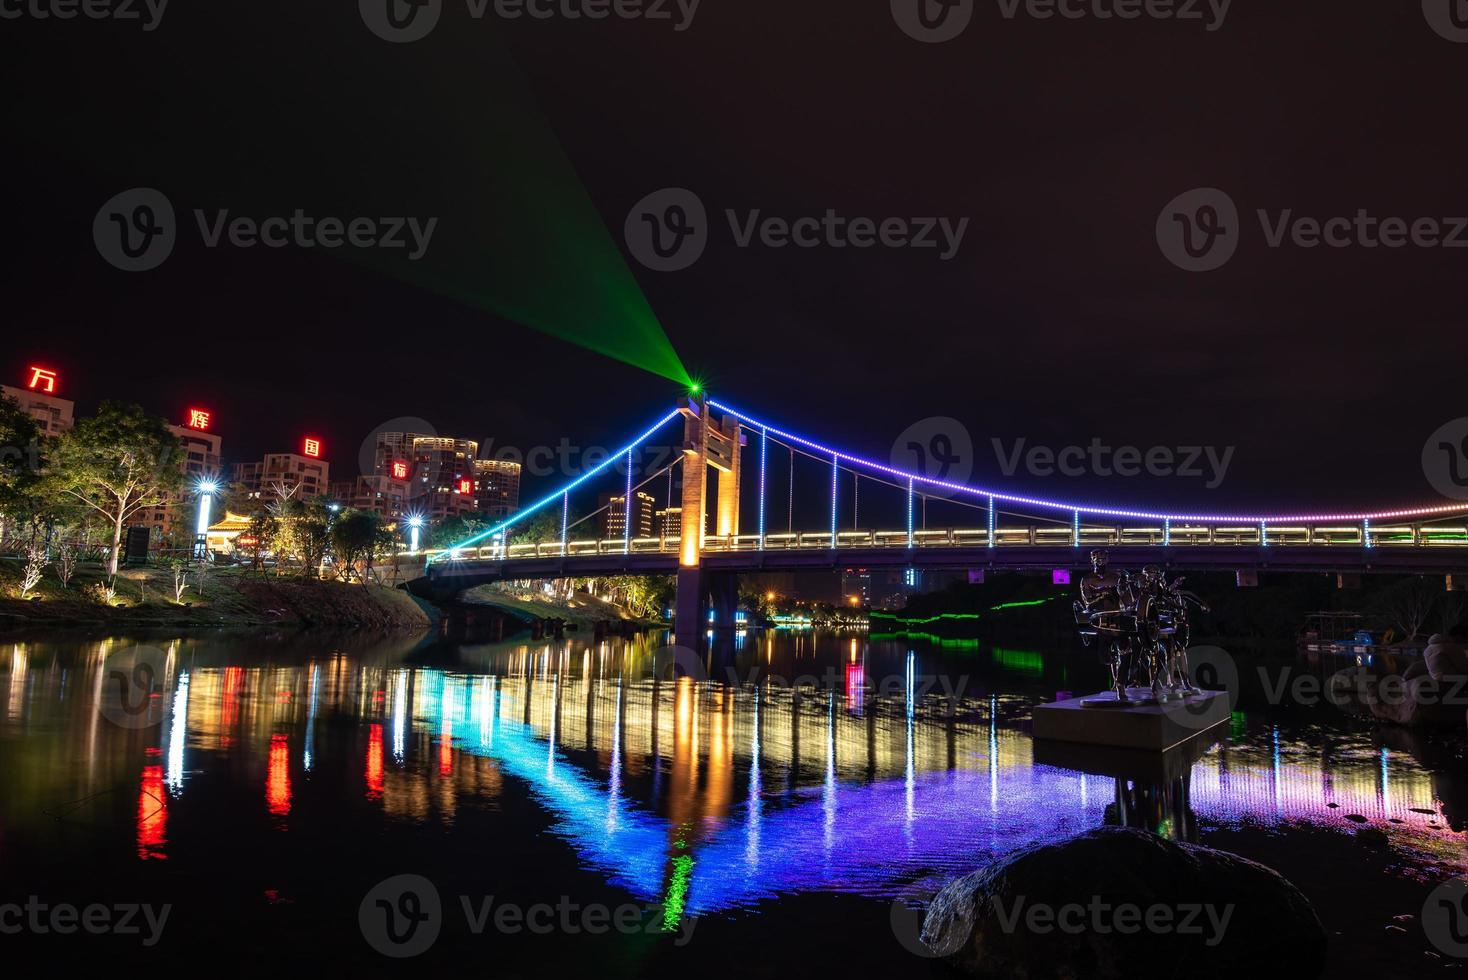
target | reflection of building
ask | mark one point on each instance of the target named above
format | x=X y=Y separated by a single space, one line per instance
x=856 y=586
x=301 y=476
x=668 y=522
x=199 y=461
x=54 y=415
x=497 y=487
x=614 y=518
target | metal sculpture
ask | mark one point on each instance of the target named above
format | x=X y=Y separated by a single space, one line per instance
x=1140 y=622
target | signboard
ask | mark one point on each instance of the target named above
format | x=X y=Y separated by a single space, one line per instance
x=43 y=380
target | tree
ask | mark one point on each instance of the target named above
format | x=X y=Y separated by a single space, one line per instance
x=116 y=463
x=543 y=528
x=356 y=537
x=1409 y=603
x=303 y=531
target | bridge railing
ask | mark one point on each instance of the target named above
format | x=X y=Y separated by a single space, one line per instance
x=1005 y=536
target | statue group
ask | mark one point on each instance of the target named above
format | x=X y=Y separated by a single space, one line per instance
x=1139 y=622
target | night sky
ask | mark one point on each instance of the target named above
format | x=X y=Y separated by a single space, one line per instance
x=1058 y=321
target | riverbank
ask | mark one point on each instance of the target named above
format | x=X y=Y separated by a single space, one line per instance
x=227 y=597
x=581 y=611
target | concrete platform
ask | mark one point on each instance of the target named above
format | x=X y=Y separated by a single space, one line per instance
x=1153 y=727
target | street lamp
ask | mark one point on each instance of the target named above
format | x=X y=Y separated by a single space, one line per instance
x=207 y=489
x=415 y=524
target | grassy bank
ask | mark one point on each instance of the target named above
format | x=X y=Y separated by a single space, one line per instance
x=227 y=597
x=582 y=610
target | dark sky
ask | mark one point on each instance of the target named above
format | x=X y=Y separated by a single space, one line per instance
x=1059 y=321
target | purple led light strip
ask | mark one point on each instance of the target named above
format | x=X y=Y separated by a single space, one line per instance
x=1086 y=508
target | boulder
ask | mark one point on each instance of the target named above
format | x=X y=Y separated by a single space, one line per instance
x=1065 y=910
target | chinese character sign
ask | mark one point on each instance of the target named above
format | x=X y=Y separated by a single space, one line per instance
x=466 y=486
x=313 y=447
x=42 y=380
x=198 y=419
x=399 y=470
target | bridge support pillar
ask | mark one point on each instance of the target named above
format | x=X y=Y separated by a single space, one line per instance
x=725 y=593
x=688 y=607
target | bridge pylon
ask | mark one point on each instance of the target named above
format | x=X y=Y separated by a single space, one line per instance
x=720 y=444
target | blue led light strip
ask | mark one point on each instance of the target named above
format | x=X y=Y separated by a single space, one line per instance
x=839 y=456
x=909 y=513
x=835 y=488
x=764 y=445
x=627 y=508
x=565 y=520
x=540 y=504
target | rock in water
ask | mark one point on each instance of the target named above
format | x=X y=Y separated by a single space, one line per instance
x=1117 y=902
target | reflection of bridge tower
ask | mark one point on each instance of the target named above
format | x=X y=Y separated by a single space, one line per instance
x=718 y=444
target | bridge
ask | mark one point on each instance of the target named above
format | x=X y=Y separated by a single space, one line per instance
x=733 y=530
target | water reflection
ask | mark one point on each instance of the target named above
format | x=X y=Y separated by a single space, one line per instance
x=701 y=796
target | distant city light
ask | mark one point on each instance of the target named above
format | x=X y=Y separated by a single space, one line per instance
x=313 y=447
x=199 y=419
x=43 y=380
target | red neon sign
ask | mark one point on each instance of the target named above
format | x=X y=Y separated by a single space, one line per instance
x=466 y=486
x=313 y=447
x=42 y=380
x=199 y=419
x=399 y=470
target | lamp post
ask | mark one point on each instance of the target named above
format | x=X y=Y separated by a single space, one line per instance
x=207 y=489
x=415 y=525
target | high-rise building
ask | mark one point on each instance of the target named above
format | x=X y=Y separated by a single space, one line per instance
x=614 y=518
x=298 y=476
x=199 y=461
x=668 y=523
x=497 y=487
x=39 y=400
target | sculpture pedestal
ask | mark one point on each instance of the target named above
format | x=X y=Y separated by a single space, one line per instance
x=1154 y=727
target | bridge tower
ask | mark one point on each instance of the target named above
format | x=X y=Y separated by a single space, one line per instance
x=706 y=443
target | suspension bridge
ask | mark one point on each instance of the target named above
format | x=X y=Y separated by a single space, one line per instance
x=876 y=516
